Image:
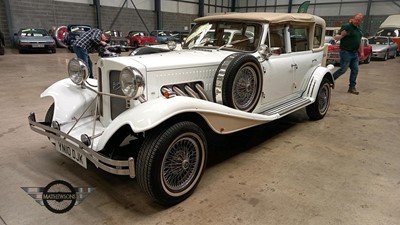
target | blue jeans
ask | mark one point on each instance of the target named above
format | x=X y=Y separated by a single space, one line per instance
x=348 y=59
x=82 y=54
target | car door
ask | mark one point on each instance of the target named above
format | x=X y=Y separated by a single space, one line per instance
x=279 y=70
x=303 y=56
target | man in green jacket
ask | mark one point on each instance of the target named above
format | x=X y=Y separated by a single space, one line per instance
x=350 y=47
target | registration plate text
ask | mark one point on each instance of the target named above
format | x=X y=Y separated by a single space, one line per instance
x=71 y=153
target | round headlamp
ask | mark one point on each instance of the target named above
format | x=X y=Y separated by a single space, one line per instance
x=132 y=82
x=77 y=70
x=171 y=45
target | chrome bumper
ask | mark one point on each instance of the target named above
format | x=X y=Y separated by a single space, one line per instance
x=118 y=167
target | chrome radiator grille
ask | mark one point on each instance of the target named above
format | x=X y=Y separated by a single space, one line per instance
x=118 y=105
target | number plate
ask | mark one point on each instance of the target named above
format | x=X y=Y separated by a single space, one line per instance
x=37 y=45
x=71 y=153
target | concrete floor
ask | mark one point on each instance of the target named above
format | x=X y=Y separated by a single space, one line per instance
x=343 y=169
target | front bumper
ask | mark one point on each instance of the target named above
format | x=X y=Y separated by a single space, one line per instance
x=36 y=46
x=378 y=54
x=118 y=167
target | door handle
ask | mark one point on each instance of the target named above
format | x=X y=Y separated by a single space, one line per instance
x=295 y=66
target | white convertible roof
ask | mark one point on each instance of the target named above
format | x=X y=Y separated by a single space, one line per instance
x=265 y=17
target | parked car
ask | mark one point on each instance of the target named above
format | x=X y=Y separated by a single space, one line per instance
x=118 y=40
x=58 y=35
x=391 y=28
x=334 y=52
x=139 y=39
x=34 y=39
x=163 y=36
x=150 y=116
x=2 y=43
x=74 y=32
x=393 y=33
x=383 y=47
x=332 y=31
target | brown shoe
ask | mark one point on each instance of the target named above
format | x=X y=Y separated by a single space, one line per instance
x=353 y=91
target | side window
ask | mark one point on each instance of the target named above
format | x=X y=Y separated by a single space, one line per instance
x=276 y=39
x=317 y=40
x=299 y=38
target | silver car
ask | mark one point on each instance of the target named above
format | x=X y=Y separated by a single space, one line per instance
x=383 y=47
x=34 y=39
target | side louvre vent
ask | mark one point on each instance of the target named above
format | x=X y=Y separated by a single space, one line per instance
x=118 y=105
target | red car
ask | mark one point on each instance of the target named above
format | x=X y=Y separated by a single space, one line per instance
x=139 y=39
x=334 y=52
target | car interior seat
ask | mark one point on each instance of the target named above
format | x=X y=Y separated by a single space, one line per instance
x=277 y=42
x=241 y=42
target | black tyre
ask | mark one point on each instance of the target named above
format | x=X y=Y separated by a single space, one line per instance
x=319 y=108
x=242 y=83
x=49 y=116
x=53 y=50
x=171 y=162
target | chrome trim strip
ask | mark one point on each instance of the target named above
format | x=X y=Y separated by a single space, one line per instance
x=220 y=77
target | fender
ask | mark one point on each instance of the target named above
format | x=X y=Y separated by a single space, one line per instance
x=220 y=118
x=70 y=100
x=315 y=81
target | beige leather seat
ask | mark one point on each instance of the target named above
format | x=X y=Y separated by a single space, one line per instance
x=243 y=44
x=277 y=42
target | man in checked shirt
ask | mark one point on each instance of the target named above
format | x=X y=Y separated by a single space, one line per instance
x=89 y=40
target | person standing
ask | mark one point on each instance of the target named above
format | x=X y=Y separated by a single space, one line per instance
x=89 y=40
x=350 y=46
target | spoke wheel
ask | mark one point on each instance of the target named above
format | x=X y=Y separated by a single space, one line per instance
x=319 y=108
x=242 y=83
x=171 y=162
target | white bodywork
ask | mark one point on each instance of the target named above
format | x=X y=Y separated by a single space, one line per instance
x=288 y=81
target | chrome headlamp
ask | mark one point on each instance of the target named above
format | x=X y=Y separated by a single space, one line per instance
x=171 y=45
x=132 y=82
x=77 y=71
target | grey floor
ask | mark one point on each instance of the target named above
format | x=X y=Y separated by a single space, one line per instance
x=344 y=169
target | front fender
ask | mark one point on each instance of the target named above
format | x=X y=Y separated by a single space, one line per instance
x=220 y=118
x=316 y=79
x=71 y=100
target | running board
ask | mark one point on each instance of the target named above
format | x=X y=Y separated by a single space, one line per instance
x=288 y=107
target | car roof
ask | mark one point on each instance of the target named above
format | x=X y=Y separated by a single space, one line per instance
x=265 y=17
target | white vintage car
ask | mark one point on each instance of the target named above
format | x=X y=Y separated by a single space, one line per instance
x=159 y=104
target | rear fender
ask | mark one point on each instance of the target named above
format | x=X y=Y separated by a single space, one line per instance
x=71 y=100
x=318 y=75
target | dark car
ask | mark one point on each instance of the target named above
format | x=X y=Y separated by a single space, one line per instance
x=118 y=40
x=74 y=32
x=139 y=39
x=163 y=36
x=34 y=39
x=2 y=43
